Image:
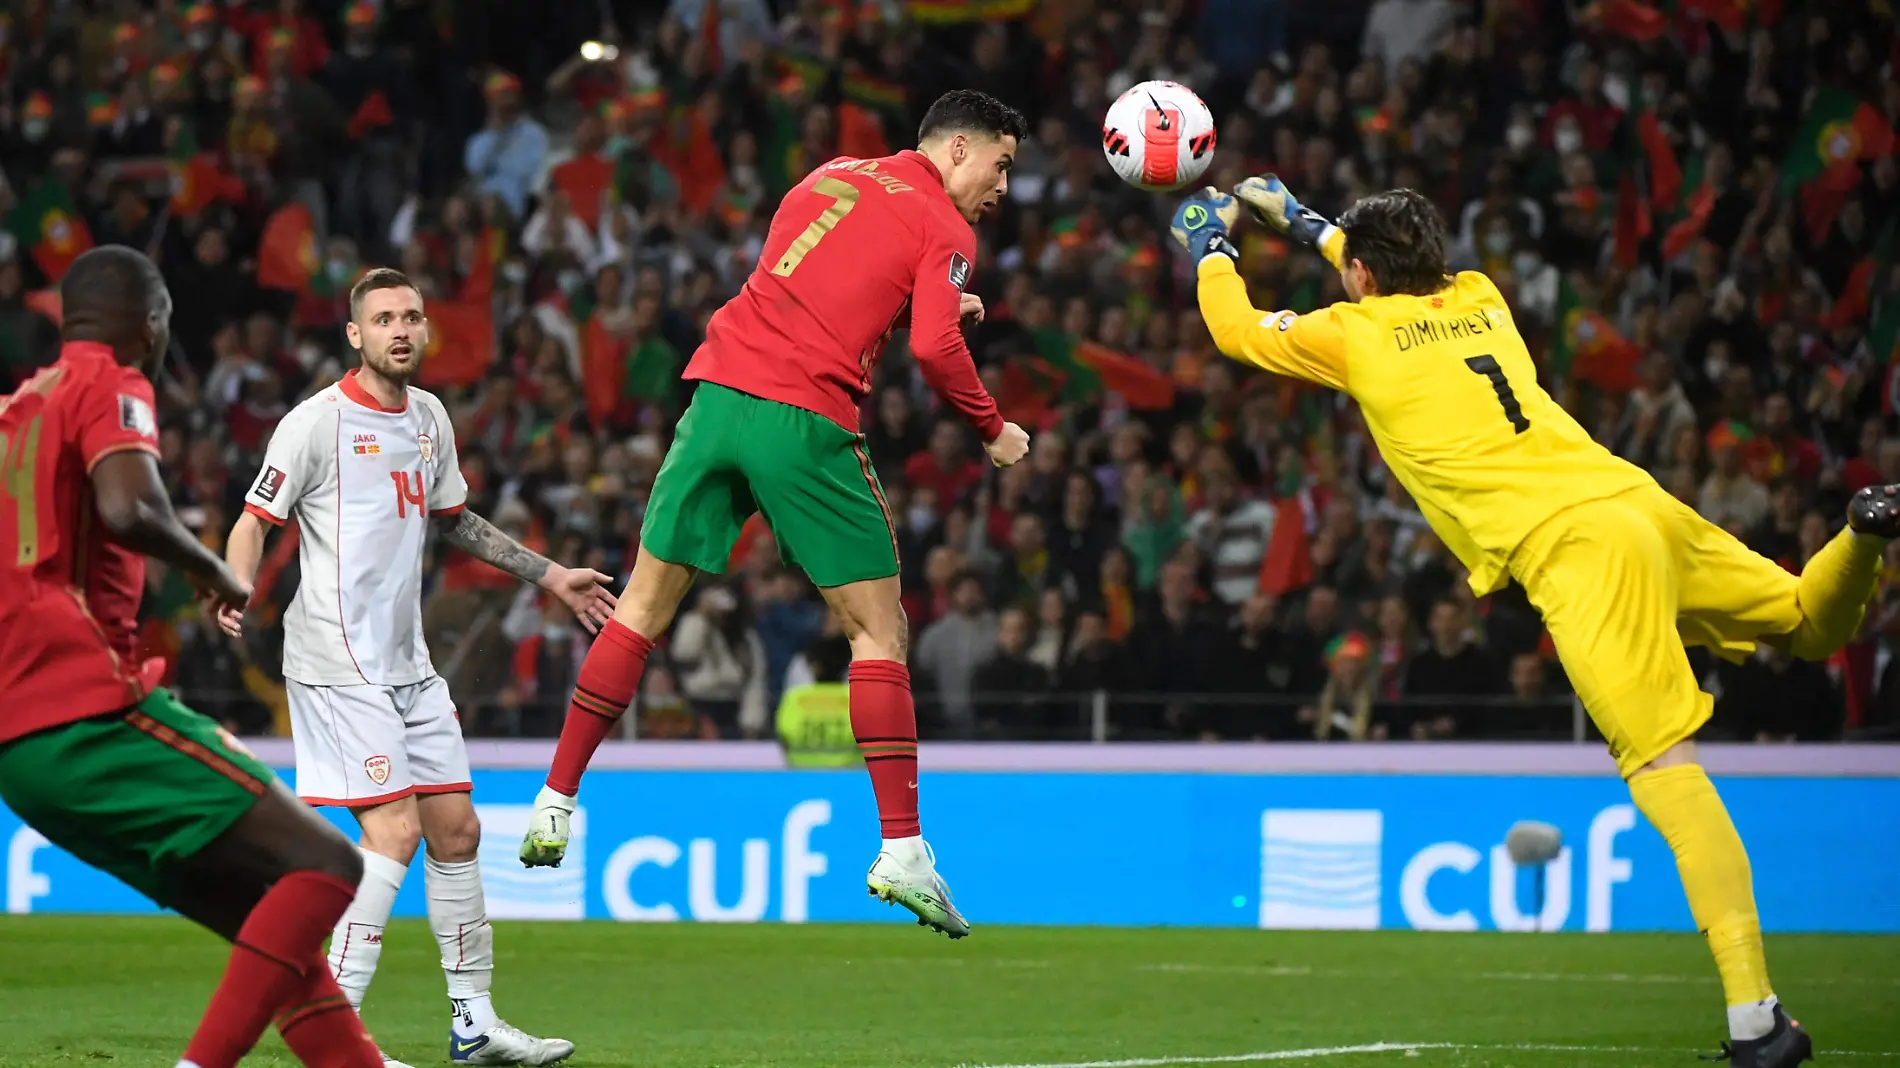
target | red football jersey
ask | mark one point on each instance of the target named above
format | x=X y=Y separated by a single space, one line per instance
x=849 y=248
x=68 y=595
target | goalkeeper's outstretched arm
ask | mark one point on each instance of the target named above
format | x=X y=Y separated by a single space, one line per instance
x=1310 y=347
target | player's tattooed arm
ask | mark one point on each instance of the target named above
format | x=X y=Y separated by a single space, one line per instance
x=582 y=589
x=479 y=538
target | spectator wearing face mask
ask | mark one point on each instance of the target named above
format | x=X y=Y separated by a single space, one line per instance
x=721 y=664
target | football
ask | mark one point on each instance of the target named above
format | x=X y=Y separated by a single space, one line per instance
x=1158 y=136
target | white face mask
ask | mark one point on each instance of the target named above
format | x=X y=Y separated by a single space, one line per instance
x=1569 y=139
x=1526 y=263
x=1497 y=242
x=35 y=129
x=554 y=632
x=921 y=519
x=1519 y=137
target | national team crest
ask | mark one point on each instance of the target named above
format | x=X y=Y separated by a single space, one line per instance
x=427 y=445
x=377 y=768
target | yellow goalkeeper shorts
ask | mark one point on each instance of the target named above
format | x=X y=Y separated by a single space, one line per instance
x=1623 y=583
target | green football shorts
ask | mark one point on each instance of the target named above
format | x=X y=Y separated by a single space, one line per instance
x=734 y=454
x=132 y=792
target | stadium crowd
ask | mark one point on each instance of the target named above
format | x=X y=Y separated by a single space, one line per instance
x=1691 y=205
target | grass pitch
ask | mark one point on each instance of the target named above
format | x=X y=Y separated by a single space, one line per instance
x=96 y=990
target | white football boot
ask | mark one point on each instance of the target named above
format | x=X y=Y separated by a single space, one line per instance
x=545 y=844
x=391 y=1062
x=505 y=1043
x=905 y=873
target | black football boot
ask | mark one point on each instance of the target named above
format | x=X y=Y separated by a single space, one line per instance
x=1787 y=1045
x=1876 y=511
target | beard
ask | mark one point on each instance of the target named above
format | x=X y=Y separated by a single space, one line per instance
x=387 y=367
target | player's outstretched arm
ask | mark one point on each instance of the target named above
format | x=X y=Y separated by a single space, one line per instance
x=1310 y=347
x=582 y=589
x=132 y=504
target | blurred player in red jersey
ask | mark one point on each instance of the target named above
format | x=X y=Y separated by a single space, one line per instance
x=95 y=758
x=773 y=428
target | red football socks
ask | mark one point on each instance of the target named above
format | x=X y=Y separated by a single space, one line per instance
x=280 y=942
x=322 y=1029
x=885 y=722
x=609 y=677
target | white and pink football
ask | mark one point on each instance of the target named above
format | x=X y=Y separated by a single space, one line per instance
x=1158 y=136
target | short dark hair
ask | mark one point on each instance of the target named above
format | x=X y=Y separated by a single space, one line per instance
x=112 y=282
x=971 y=111
x=377 y=278
x=1400 y=237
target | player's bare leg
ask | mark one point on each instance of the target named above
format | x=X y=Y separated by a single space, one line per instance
x=273 y=885
x=884 y=719
x=458 y=914
x=609 y=678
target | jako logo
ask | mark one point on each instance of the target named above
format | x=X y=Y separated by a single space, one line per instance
x=798 y=867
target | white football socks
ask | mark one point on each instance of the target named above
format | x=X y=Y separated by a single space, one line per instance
x=357 y=943
x=1752 y=1020
x=458 y=914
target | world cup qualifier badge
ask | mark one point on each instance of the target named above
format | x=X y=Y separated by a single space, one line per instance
x=269 y=481
x=959 y=271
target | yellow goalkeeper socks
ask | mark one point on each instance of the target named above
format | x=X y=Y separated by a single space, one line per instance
x=1834 y=590
x=1683 y=805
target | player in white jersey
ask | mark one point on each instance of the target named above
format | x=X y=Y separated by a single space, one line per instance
x=366 y=466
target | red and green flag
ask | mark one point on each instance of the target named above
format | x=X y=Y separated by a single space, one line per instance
x=461 y=343
x=287 y=252
x=1144 y=387
x=1587 y=348
x=48 y=226
x=1838 y=128
x=944 y=12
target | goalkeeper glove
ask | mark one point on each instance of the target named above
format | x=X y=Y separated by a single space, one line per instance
x=1273 y=204
x=1202 y=222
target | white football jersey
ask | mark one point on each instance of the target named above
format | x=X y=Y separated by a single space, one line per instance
x=363 y=481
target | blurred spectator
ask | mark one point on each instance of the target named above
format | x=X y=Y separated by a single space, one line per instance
x=505 y=156
x=1011 y=681
x=721 y=665
x=952 y=648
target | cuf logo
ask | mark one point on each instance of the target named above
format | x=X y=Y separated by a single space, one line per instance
x=377 y=768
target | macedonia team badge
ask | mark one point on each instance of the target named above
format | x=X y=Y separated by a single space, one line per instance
x=427 y=445
x=377 y=768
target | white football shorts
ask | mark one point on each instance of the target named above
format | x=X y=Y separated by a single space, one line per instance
x=365 y=745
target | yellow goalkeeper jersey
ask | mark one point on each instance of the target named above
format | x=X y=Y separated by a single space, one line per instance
x=1450 y=395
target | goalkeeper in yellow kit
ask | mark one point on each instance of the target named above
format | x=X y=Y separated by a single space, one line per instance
x=1623 y=573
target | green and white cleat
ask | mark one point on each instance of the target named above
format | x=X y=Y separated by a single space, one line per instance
x=905 y=873
x=545 y=844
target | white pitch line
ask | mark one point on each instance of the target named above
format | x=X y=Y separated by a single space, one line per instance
x=1315 y=1052
x=1302 y=971
x=1236 y=1058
